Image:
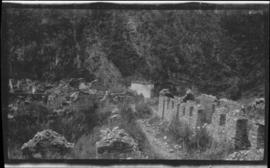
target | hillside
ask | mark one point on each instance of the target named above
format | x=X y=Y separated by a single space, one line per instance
x=219 y=52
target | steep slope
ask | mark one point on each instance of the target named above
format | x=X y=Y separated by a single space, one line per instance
x=219 y=52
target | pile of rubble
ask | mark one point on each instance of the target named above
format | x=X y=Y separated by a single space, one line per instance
x=67 y=92
x=257 y=104
x=115 y=141
x=256 y=109
x=46 y=143
x=253 y=154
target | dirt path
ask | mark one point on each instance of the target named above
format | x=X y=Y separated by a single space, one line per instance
x=160 y=146
x=159 y=142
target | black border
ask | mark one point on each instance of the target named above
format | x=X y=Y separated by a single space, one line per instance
x=106 y=5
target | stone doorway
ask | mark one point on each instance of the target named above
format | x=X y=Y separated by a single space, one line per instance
x=241 y=135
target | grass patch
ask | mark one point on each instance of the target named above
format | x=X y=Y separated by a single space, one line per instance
x=179 y=131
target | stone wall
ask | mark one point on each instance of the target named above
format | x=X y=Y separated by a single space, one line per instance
x=256 y=135
x=237 y=129
x=225 y=120
x=189 y=112
x=217 y=128
x=166 y=107
x=208 y=102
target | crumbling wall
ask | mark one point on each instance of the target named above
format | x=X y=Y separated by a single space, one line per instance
x=167 y=107
x=230 y=126
x=256 y=135
x=218 y=128
x=189 y=114
x=226 y=121
x=209 y=105
x=231 y=105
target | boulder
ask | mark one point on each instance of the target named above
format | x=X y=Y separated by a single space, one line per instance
x=47 y=144
x=115 y=141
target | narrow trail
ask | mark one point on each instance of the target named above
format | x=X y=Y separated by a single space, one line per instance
x=160 y=143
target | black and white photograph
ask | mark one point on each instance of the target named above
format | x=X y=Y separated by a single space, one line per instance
x=151 y=82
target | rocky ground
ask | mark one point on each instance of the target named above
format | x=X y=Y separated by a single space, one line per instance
x=165 y=148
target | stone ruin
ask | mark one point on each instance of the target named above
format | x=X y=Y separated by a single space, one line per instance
x=224 y=119
x=47 y=144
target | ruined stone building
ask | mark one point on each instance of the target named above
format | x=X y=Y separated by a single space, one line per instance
x=224 y=120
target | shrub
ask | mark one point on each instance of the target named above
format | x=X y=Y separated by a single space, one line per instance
x=193 y=140
x=200 y=140
x=143 y=110
x=179 y=130
x=77 y=121
x=80 y=119
x=27 y=121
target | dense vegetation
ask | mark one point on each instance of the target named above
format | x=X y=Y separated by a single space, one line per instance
x=218 y=52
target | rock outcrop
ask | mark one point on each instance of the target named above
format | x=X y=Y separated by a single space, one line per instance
x=115 y=141
x=47 y=144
